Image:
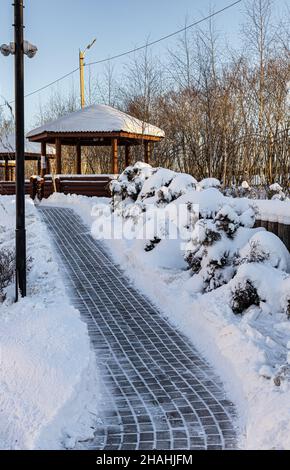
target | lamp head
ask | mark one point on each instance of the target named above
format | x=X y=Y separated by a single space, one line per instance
x=29 y=49
x=6 y=49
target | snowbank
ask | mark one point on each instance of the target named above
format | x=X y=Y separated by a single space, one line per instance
x=48 y=376
x=274 y=211
x=249 y=351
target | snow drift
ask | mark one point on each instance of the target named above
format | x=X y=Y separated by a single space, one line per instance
x=48 y=376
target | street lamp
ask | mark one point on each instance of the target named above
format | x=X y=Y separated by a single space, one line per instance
x=82 y=75
x=18 y=48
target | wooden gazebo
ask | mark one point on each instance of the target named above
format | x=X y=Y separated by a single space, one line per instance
x=32 y=153
x=98 y=126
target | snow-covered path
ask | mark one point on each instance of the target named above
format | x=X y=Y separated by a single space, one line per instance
x=161 y=393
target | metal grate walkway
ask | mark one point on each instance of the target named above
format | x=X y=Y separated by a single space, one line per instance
x=161 y=393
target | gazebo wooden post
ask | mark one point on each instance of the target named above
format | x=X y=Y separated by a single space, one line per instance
x=38 y=166
x=115 y=162
x=147 y=151
x=6 y=171
x=58 y=155
x=127 y=155
x=79 y=159
x=43 y=160
x=47 y=166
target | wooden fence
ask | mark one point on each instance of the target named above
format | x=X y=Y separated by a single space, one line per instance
x=279 y=228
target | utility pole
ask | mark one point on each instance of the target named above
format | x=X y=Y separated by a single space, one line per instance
x=82 y=78
x=19 y=148
x=82 y=72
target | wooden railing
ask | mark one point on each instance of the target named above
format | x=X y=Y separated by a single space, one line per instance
x=96 y=185
x=84 y=185
x=8 y=188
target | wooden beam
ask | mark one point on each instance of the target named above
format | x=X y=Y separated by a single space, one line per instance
x=50 y=137
x=43 y=160
x=79 y=159
x=115 y=162
x=58 y=155
x=127 y=155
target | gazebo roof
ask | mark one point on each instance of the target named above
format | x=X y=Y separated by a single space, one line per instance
x=98 y=119
x=7 y=147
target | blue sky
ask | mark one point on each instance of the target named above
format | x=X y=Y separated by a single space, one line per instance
x=60 y=27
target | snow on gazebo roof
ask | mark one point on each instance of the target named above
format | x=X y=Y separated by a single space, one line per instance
x=7 y=146
x=98 y=118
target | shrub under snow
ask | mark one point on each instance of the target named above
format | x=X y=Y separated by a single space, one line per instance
x=216 y=234
x=208 y=183
x=7 y=262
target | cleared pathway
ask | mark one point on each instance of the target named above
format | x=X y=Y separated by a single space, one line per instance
x=161 y=393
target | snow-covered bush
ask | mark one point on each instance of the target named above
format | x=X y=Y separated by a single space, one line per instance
x=228 y=221
x=244 y=296
x=215 y=237
x=259 y=283
x=141 y=183
x=267 y=248
x=208 y=183
x=285 y=297
x=276 y=192
x=7 y=262
x=262 y=275
x=180 y=184
x=213 y=249
x=259 y=192
x=160 y=179
x=130 y=183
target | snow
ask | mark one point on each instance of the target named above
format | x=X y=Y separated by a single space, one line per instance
x=248 y=351
x=208 y=183
x=161 y=178
x=50 y=389
x=98 y=118
x=276 y=187
x=245 y=185
x=209 y=201
x=7 y=145
x=274 y=210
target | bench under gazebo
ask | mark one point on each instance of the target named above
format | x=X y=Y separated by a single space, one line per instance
x=32 y=154
x=96 y=126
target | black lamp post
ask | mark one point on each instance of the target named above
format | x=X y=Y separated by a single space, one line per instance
x=18 y=49
x=19 y=151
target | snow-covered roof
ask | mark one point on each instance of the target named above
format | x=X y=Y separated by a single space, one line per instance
x=98 y=118
x=7 y=145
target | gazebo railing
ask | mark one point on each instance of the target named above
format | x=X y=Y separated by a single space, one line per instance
x=84 y=185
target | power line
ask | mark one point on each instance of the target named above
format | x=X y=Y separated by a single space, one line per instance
x=132 y=51
x=149 y=44
x=52 y=83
